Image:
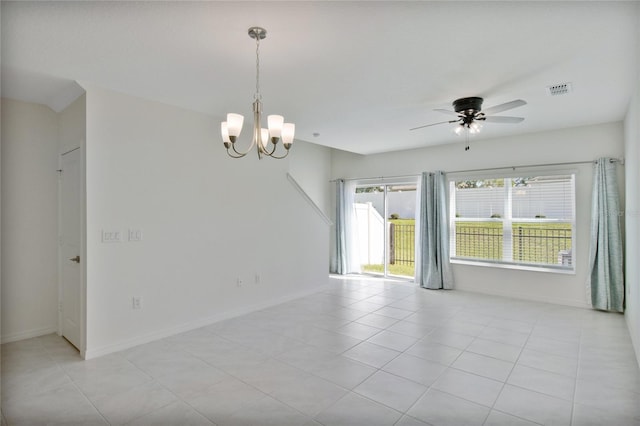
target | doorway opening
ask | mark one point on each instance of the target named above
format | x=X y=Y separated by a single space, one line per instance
x=385 y=220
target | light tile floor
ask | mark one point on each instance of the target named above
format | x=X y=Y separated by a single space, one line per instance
x=363 y=352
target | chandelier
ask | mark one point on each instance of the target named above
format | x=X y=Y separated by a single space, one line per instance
x=266 y=140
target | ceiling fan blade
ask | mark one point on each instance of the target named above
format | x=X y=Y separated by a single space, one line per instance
x=433 y=124
x=446 y=111
x=503 y=119
x=503 y=107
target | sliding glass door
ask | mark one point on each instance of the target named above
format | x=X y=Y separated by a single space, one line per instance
x=401 y=225
x=370 y=214
x=385 y=217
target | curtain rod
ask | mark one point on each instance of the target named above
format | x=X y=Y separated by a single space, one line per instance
x=571 y=163
x=612 y=160
x=378 y=178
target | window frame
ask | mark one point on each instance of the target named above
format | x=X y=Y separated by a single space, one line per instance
x=507 y=222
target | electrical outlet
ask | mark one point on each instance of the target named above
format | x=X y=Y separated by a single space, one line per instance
x=239 y=282
x=136 y=302
x=257 y=278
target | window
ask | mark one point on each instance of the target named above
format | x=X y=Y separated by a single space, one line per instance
x=522 y=222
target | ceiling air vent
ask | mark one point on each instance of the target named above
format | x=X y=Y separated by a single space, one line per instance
x=559 y=89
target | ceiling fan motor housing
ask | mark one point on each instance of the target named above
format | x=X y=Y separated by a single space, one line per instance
x=468 y=106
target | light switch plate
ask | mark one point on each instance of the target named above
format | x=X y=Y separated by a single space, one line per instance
x=136 y=302
x=135 y=235
x=111 y=236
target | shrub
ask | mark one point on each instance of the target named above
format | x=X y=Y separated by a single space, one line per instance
x=496 y=216
x=394 y=216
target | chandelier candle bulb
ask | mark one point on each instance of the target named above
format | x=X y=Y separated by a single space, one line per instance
x=275 y=125
x=264 y=137
x=288 y=131
x=234 y=125
x=225 y=134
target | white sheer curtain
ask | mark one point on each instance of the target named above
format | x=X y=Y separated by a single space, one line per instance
x=346 y=259
x=351 y=225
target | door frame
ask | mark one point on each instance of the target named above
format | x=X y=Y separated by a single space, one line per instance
x=83 y=249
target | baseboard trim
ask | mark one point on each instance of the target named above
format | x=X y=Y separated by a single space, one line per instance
x=635 y=336
x=527 y=297
x=28 y=334
x=161 y=334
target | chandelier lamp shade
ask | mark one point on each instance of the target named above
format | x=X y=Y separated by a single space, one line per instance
x=264 y=139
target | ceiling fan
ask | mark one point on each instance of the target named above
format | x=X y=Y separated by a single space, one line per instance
x=470 y=114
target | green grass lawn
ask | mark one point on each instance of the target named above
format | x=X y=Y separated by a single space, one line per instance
x=401 y=270
x=403 y=221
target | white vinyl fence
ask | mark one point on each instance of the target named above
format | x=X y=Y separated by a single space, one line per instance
x=370 y=234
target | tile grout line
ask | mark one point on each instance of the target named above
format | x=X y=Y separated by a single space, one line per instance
x=80 y=391
x=265 y=394
x=575 y=382
x=504 y=384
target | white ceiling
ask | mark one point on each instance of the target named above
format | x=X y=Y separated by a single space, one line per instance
x=358 y=73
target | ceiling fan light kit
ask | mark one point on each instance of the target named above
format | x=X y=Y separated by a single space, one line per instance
x=468 y=109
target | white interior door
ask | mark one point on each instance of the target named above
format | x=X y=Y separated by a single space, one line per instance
x=70 y=226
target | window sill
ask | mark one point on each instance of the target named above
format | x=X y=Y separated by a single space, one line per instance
x=511 y=265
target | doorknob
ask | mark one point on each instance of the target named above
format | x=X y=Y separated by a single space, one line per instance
x=75 y=259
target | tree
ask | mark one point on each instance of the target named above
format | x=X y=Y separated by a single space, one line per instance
x=480 y=183
x=369 y=189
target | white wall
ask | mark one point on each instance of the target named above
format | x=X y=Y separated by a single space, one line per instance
x=632 y=213
x=310 y=165
x=206 y=220
x=29 y=220
x=1 y=138
x=566 y=145
x=72 y=127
